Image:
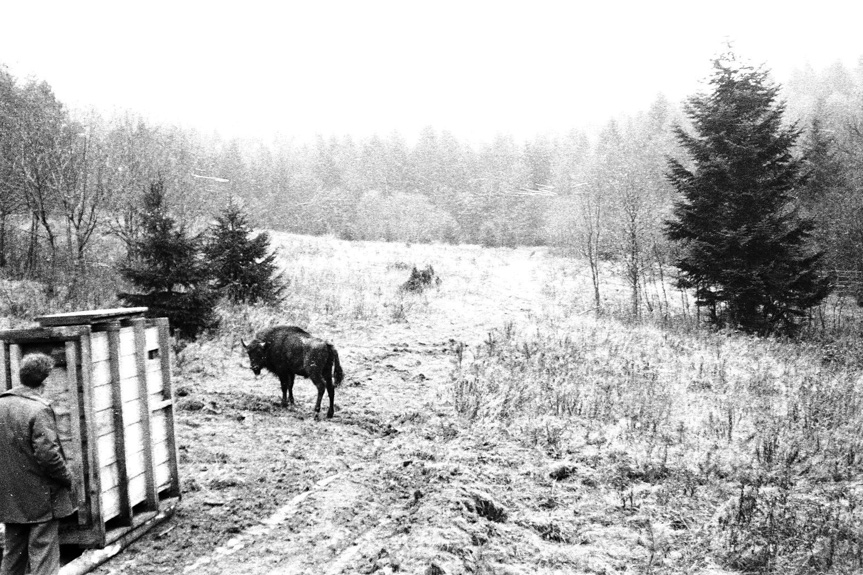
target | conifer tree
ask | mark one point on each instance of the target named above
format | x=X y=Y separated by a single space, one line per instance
x=242 y=266
x=165 y=265
x=745 y=248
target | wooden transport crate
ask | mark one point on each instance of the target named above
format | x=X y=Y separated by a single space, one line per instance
x=111 y=390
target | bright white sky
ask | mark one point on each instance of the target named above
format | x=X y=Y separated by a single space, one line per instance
x=360 y=67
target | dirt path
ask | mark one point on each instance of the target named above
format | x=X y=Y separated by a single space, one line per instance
x=390 y=484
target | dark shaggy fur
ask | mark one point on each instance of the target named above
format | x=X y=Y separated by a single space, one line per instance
x=288 y=351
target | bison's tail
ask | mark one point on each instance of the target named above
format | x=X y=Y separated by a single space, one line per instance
x=338 y=374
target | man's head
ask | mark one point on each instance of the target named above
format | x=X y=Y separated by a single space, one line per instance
x=35 y=368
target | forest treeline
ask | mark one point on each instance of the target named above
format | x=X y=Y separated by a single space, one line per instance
x=70 y=182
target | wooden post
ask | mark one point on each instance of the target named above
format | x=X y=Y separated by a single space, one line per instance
x=152 y=497
x=75 y=427
x=91 y=463
x=113 y=329
x=168 y=394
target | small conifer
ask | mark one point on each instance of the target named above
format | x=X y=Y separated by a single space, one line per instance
x=242 y=265
x=165 y=265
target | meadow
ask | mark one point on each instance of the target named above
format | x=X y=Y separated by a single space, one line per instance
x=691 y=449
x=497 y=423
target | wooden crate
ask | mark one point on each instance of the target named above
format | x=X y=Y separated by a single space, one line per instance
x=111 y=390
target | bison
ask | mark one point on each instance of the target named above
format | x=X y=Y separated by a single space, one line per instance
x=287 y=351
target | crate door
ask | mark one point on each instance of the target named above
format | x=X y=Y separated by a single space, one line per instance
x=64 y=390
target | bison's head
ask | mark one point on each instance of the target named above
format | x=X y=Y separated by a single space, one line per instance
x=257 y=351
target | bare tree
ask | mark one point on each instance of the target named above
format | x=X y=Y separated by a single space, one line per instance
x=12 y=201
x=592 y=213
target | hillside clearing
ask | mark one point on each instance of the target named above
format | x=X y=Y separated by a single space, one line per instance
x=450 y=452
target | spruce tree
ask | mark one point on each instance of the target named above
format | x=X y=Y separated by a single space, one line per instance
x=165 y=265
x=242 y=266
x=745 y=248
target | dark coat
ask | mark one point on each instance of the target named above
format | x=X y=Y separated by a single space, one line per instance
x=35 y=482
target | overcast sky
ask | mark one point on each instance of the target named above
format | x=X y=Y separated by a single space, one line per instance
x=361 y=67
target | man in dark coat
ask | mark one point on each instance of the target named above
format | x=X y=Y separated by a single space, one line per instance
x=35 y=483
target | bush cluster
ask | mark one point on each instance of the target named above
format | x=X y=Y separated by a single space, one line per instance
x=182 y=276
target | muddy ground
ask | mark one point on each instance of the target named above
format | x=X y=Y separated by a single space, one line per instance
x=396 y=481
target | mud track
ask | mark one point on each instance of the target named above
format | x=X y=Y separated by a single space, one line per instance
x=395 y=482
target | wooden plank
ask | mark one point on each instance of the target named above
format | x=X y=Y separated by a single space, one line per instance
x=105 y=444
x=129 y=387
x=109 y=476
x=134 y=435
x=104 y=422
x=152 y=334
x=161 y=454
x=102 y=397
x=113 y=329
x=165 y=403
x=163 y=476
x=101 y=373
x=39 y=334
x=111 y=496
x=128 y=343
x=131 y=412
x=105 y=418
x=155 y=383
x=138 y=489
x=156 y=399
x=90 y=317
x=5 y=376
x=128 y=368
x=154 y=366
x=165 y=356
x=110 y=504
x=152 y=495
x=99 y=347
x=14 y=363
x=159 y=427
x=135 y=464
x=93 y=511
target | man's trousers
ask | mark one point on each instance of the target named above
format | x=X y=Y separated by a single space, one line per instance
x=36 y=544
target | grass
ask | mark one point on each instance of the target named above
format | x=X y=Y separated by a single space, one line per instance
x=750 y=451
x=665 y=448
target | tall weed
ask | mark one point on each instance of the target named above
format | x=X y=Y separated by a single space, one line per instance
x=774 y=418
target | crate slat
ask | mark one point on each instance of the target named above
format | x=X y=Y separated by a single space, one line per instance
x=101 y=373
x=111 y=503
x=99 y=347
x=161 y=452
x=127 y=342
x=129 y=388
x=163 y=476
x=152 y=335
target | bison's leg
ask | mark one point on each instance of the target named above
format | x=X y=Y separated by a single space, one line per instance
x=319 y=383
x=331 y=392
x=287 y=389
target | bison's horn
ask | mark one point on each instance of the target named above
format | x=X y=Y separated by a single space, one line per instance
x=244 y=344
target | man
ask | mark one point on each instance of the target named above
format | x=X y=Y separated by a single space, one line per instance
x=35 y=483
